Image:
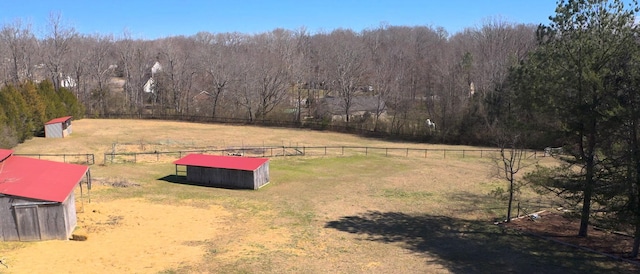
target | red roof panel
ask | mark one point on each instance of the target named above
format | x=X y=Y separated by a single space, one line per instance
x=58 y=120
x=226 y=162
x=39 y=179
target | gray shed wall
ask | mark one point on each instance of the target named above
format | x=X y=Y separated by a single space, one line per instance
x=8 y=228
x=53 y=130
x=261 y=175
x=58 y=130
x=32 y=220
x=231 y=178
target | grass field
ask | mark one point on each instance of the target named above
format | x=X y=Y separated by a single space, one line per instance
x=348 y=213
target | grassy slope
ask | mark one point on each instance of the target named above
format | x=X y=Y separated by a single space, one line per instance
x=350 y=213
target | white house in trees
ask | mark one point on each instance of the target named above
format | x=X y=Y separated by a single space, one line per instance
x=149 y=86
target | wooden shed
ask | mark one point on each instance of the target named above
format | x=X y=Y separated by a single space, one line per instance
x=58 y=127
x=37 y=200
x=225 y=171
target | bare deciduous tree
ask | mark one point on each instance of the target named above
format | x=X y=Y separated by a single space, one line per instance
x=19 y=42
x=178 y=71
x=56 y=47
x=508 y=162
x=344 y=61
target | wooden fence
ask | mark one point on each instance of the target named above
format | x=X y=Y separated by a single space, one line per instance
x=280 y=151
x=87 y=159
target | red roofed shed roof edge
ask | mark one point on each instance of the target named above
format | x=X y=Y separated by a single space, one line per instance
x=4 y=154
x=39 y=179
x=58 y=120
x=226 y=162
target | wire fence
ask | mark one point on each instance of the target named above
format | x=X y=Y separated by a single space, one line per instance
x=86 y=159
x=282 y=151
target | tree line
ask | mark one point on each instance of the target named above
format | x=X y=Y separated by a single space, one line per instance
x=386 y=79
x=570 y=83
x=26 y=107
x=580 y=88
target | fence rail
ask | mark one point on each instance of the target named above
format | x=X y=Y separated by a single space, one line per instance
x=279 y=151
x=87 y=159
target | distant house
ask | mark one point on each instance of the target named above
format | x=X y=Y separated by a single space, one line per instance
x=225 y=171
x=360 y=107
x=202 y=101
x=37 y=200
x=68 y=82
x=155 y=68
x=58 y=128
x=149 y=86
x=116 y=84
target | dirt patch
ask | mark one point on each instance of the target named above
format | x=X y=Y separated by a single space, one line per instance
x=158 y=236
x=557 y=227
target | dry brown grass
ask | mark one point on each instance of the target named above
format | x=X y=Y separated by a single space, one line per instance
x=349 y=213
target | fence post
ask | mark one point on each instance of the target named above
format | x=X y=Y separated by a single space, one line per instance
x=463 y=154
x=283 y=154
x=342 y=150
x=386 y=151
x=325 y=151
x=366 y=150
x=481 y=153
x=444 y=153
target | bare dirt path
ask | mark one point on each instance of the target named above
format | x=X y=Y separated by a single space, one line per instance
x=157 y=236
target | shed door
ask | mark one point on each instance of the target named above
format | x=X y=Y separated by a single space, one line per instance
x=27 y=223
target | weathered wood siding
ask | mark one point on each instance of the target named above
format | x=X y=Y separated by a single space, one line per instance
x=70 y=217
x=27 y=222
x=231 y=178
x=261 y=175
x=33 y=220
x=8 y=226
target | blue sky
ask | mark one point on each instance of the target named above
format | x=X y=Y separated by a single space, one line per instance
x=162 y=18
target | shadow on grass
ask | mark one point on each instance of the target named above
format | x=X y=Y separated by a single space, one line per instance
x=175 y=179
x=465 y=246
x=182 y=180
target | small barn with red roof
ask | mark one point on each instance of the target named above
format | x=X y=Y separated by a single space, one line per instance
x=37 y=200
x=225 y=171
x=58 y=127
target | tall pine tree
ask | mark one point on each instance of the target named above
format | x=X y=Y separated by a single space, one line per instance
x=567 y=79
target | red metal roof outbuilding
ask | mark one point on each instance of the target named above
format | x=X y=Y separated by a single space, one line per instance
x=225 y=171
x=38 y=179
x=59 y=120
x=226 y=162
